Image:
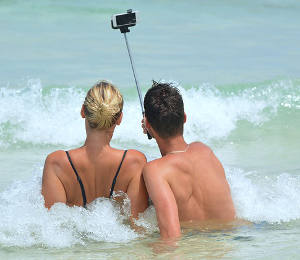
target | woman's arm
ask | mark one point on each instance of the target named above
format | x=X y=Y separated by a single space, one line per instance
x=136 y=189
x=52 y=188
x=138 y=195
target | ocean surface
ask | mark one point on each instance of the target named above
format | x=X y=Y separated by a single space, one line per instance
x=237 y=65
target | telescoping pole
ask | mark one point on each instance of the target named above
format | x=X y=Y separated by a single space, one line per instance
x=134 y=73
x=135 y=78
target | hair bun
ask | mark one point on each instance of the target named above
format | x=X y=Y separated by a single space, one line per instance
x=103 y=105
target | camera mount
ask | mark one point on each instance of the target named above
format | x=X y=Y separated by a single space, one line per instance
x=125 y=29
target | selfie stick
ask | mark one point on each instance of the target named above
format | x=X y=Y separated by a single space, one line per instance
x=134 y=74
x=125 y=30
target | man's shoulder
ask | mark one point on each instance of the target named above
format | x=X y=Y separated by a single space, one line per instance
x=201 y=149
x=159 y=162
x=200 y=146
x=158 y=167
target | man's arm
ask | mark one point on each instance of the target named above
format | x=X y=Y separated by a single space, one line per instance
x=164 y=202
x=52 y=188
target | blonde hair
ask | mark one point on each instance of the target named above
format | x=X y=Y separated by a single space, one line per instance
x=103 y=105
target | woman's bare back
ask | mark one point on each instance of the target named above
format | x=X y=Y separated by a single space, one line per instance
x=96 y=172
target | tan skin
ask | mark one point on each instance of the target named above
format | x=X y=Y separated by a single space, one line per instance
x=96 y=163
x=188 y=186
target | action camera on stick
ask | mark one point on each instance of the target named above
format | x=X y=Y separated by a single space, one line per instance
x=123 y=22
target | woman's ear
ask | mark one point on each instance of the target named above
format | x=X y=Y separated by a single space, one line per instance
x=184 y=117
x=82 y=112
x=120 y=119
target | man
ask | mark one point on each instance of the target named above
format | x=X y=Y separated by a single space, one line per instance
x=188 y=183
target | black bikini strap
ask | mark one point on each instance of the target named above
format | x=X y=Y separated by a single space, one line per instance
x=78 y=179
x=115 y=178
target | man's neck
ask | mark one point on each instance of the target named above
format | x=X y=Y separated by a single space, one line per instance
x=170 y=145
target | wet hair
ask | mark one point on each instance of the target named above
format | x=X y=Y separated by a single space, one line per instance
x=103 y=105
x=164 y=109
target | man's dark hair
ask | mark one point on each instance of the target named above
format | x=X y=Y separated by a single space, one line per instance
x=164 y=109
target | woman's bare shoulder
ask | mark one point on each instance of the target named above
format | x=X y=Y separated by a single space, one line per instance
x=135 y=159
x=136 y=155
x=57 y=159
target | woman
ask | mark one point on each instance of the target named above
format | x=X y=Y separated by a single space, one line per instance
x=79 y=176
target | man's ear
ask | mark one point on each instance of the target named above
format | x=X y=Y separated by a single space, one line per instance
x=82 y=112
x=149 y=127
x=184 y=117
x=147 y=124
x=119 y=119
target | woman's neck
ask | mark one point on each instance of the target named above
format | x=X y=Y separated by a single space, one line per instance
x=98 y=140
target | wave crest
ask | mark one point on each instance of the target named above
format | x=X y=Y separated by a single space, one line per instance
x=41 y=115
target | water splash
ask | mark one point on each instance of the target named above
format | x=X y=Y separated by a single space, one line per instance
x=26 y=222
x=39 y=115
x=262 y=198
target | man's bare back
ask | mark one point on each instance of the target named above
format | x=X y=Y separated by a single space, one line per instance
x=195 y=181
x=188 y=183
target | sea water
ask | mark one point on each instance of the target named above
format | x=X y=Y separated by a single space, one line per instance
x=236 y=64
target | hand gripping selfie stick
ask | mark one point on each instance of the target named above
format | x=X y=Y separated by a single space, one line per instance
x=125 y=29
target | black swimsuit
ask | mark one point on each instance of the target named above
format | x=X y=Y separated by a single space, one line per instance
x=81 y=184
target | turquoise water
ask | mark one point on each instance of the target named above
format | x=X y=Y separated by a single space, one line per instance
x=237 y=66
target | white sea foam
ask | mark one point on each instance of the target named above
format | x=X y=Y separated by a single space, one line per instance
x=213 y=115
x=51 y=116
x=25 y=222
x=258 y=197
x=35 y=117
